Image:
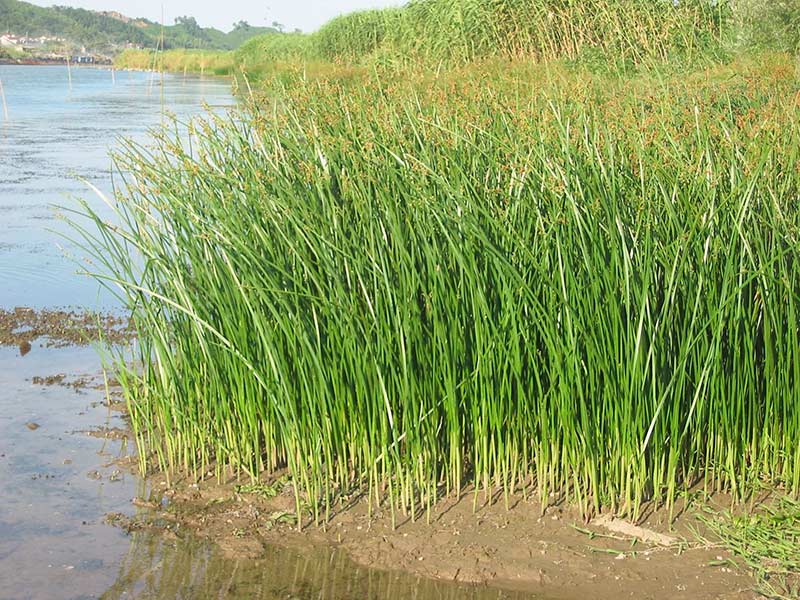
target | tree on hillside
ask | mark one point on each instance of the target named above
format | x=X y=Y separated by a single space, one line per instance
x=190 y=23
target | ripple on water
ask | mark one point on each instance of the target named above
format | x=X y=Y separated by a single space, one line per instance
x=54 y=140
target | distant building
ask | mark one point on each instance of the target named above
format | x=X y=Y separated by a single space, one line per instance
x=8 y=40
x=30 y=44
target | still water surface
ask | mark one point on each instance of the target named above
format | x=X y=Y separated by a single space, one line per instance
x=57 y=482
x=54 y=139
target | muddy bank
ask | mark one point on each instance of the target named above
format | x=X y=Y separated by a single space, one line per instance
x=551 y=556
x=554 y=555
x=60 y=328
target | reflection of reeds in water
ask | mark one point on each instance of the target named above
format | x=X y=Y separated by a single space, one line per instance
x=189 y=569
x=3 y=98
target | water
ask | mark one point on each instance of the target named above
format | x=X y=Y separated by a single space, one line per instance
x=56 y=489
x=57 y=482
x=56 y=138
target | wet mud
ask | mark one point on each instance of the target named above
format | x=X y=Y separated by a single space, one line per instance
x=22 y=327
x=554 y=555
x=183 y=567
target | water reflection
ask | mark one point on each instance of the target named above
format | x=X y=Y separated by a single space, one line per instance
x=58 y=482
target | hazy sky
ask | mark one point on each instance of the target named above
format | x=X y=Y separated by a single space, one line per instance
x=304 y=14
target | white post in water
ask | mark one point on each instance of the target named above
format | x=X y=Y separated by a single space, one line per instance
x=113 y=76
x=152 y=73
x=69 y=74
x=3 y=96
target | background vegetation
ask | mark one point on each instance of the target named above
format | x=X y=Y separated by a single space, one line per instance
x=178 y=61
x=439 y=32
x=104 y=32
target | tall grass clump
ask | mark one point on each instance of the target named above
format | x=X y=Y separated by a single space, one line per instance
x=273 y=48
x=354 y=37
x=177 y=61
x=631 y=31
x=587 y=293
x=436 y=32
x=625 y=30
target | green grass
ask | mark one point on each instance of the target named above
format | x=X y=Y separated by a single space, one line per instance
x=441 y=33
x=767 y=542
x=628 y=30
x=527 y=279
x=275 y=48
x=178 y=61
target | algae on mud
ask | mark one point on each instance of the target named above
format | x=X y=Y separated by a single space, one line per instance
x=22 y=326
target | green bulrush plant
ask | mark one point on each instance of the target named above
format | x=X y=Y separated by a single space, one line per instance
x=408 y=290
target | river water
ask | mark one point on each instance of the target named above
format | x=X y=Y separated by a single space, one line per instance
x=57 y=138
x=57 y=482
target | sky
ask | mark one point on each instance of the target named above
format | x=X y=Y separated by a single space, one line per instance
x=307 y=15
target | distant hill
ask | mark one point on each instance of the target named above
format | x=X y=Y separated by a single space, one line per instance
x=109 y=31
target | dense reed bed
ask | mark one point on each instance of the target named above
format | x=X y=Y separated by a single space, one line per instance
x=631 y=31
x=177 y=61
x=507 y=278
x=442 y=32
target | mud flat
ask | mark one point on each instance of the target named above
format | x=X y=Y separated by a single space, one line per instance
x=520 y=550
x=22 y=326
